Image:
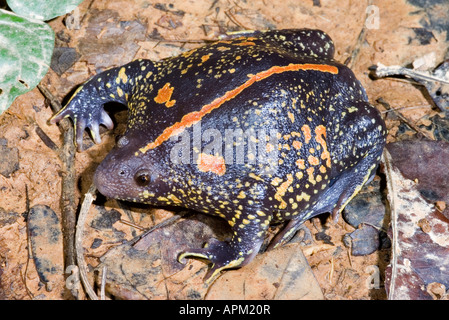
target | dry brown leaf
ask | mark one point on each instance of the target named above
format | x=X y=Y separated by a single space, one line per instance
x=281 y=274
x=418 y=258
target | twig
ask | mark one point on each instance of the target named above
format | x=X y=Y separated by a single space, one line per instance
x=348 y=251
x=384 y=71
x=234 y=20
x=350 y=61
x=88 y=199
x=68 y=205
x=103 y=283
x=404 y=119
x=132 y=224
x=30 y=252
x=387 y=162
x=331 y=272
x=45 y=139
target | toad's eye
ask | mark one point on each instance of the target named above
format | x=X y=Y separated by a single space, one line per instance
x=143 y=177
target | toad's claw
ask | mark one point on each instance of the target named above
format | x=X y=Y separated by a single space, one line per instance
x=84 y=118
x=221 y=254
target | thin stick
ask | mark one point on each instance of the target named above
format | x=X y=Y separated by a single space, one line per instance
x=132 y=224
x=384 y=71
x=68 y=205
x=89 y=197
x=103 y=283
x=350 y=62
x=331 y=272
x=404 y=119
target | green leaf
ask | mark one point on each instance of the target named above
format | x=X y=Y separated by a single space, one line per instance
x=26 y=48
x=42 y=9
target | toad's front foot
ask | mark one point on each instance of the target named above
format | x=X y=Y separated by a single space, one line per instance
x=223 y=255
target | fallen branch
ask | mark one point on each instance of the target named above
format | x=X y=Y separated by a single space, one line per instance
x=68 y=205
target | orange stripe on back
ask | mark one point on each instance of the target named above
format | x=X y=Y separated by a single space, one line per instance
x=193 y=117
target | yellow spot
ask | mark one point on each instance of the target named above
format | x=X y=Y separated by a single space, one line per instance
x=269 y=147
x=256 y=177
x=291 y=116
x=303 y=196
x=119 y=92
x=310 y=172
x=276 y=181
x=205 y=57
x=174 y=199
x=122 y=75
x=146 y=194
x=241 y=195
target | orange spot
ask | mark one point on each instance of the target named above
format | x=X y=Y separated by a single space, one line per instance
x=205 y=58
x=310 y=172
x=246 y=43
x=280 y=192
x=195 y=116
x=314 y=161
x=307 y=133
x=323 y=169
x=164 y=95
x=320 y=132
x=297 y=145
x=188 y=53
x=209 y=163
x=301 y=164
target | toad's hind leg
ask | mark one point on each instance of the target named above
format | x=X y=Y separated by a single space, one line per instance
x=340 y=191
x=302 y=42
x=350 y=172
x=248 y=235
x=297 y=42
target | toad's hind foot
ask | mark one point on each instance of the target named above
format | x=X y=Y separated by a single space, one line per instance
x=220 y=253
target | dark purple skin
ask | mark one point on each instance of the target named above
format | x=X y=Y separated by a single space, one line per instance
x=288 y=102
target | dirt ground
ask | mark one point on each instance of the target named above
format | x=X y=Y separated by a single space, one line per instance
x=108 y=33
